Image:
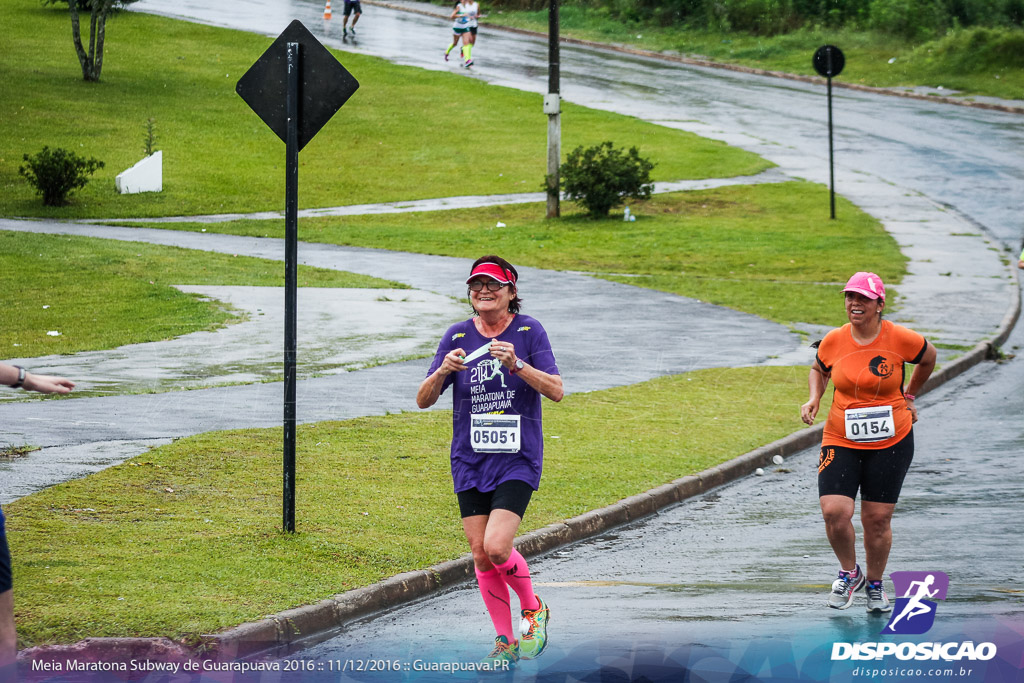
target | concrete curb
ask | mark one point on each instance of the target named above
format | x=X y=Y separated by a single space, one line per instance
x=985 y=350
x=692 y=61
x=285 y=629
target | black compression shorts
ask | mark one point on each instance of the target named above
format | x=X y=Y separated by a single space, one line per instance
x=877 y=472
x=513 y=495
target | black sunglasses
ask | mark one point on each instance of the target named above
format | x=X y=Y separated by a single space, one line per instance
x=492 y=285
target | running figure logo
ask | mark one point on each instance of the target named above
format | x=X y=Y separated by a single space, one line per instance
x=491 y=369
x=914 y=612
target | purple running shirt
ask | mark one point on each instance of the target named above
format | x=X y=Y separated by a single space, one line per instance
x=486 y=387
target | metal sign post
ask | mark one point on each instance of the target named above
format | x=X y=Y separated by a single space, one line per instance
x=829 y=62
x=291 y=280
x=296 y=86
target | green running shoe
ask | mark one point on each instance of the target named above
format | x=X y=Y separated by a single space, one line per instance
x=503 y=657
x=534 y=628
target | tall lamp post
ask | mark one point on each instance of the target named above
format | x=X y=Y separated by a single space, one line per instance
x=552 y=107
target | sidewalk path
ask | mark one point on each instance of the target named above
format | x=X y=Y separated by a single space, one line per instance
x=771 y=175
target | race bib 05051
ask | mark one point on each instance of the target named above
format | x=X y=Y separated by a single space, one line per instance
x=494 y=433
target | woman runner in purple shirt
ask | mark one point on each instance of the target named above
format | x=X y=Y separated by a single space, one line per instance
x=499 y=364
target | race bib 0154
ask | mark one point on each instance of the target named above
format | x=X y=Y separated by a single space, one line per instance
x=870 y=424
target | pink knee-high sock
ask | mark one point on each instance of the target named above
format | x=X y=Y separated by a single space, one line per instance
x=496 y=599
x=516 y=574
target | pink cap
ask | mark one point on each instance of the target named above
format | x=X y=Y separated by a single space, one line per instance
x=493 y=271
x=868 y=284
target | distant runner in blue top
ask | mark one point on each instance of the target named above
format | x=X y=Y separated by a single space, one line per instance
x=499 y=364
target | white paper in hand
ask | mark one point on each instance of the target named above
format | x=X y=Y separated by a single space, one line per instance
x=486 y=348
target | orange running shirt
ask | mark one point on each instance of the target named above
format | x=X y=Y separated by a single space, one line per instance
x=867 y=375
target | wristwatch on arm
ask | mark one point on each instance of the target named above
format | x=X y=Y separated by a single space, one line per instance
x=22 y=372
x=519 y=365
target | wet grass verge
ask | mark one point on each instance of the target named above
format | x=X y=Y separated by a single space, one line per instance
x=973 y=61
x=769 y=249
x=186 y=539
x=66 y=294
x=403 y=135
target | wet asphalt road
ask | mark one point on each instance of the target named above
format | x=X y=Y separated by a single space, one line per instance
x=744 y=571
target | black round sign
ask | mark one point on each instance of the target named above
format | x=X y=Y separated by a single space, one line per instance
x=829 y=60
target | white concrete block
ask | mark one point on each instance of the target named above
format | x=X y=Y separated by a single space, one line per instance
x=145 y=176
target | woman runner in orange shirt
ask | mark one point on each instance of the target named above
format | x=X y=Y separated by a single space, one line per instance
x=868 y=441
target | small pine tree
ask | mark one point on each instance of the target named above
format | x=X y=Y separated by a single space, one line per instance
x=149 y=141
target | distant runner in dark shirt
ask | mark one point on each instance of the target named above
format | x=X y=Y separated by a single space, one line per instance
x=351 y=7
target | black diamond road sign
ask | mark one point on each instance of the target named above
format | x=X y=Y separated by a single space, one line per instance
x=324 y=84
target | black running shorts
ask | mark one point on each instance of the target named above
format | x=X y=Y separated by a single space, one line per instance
x=513 y=495
x=877 y=472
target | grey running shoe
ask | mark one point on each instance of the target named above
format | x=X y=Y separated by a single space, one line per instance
x=844 y=587
x=878 y=601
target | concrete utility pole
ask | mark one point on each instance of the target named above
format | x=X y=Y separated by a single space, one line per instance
x=553 y=108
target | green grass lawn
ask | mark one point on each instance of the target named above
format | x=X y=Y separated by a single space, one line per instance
x=770 y=250
x=186 y=539
x=402 y=135
x=976 y=61
x=100 y=294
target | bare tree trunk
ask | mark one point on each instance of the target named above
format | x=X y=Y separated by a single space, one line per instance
x=76 y=35
x=101 y=32
x=92 y=35
x=91 y=61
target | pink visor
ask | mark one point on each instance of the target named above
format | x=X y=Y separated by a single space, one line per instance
x=868 y=284
x=493 y=271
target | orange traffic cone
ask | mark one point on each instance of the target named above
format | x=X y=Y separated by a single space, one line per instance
x=327 y=10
